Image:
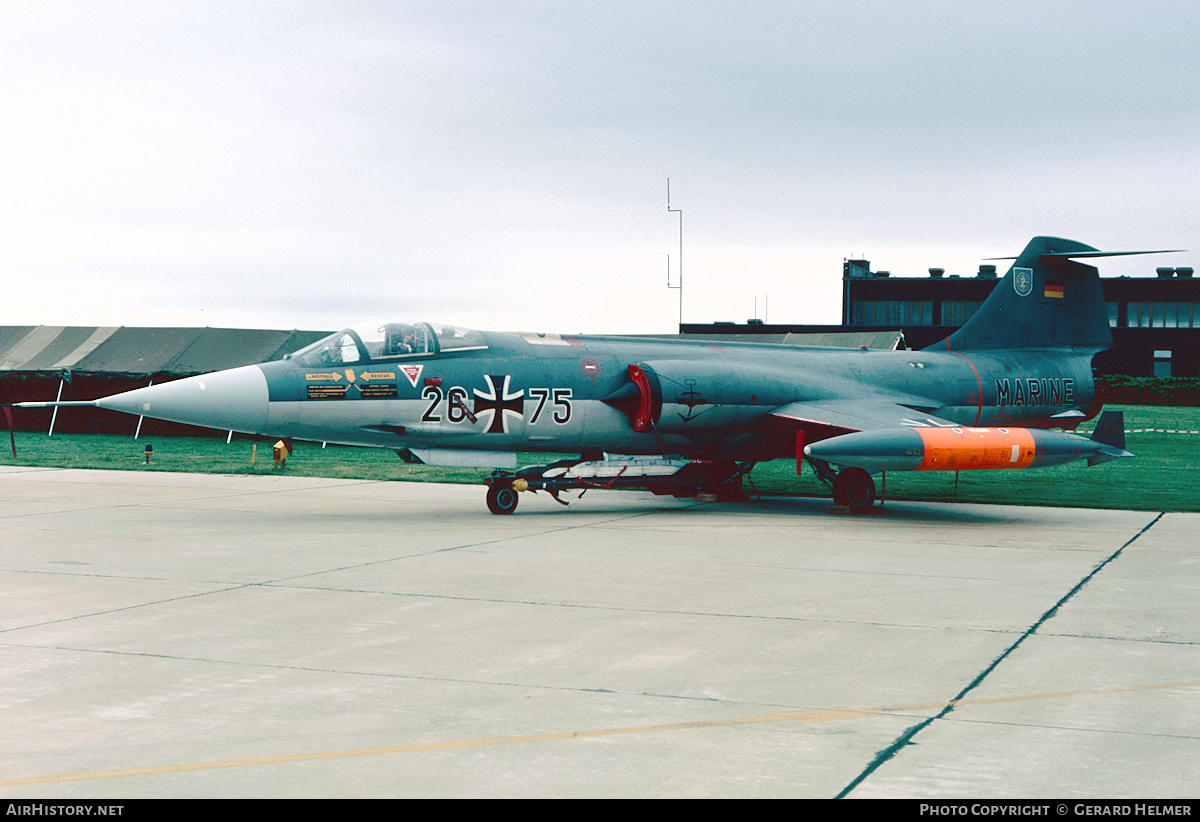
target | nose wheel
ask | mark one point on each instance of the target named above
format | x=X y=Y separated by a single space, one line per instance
x=854 y=488
x=501 y=498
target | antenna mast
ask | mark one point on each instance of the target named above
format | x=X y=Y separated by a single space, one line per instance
x=680 y=286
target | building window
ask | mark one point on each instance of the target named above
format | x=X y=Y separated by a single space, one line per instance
x=1114 y=315
x=920 y=313
x=1164 y=315
x=892 y=312
x=957 y=312
x=1162 y=363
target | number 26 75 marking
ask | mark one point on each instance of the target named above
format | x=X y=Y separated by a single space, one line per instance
x=456 y=397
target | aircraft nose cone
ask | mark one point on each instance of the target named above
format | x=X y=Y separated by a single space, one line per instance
x=235 y=399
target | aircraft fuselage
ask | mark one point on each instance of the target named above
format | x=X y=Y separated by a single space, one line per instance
x=564 y=394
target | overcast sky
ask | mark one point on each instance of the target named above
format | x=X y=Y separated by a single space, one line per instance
x=504 y=164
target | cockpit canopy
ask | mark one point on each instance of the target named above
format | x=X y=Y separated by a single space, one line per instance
x=387 y=341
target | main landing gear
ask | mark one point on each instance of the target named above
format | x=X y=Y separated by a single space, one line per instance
x=700 y=479
x=854 y=488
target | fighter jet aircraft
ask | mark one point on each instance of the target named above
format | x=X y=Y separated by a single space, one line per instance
x=686 y=417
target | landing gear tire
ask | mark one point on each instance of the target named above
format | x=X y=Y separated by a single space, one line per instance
x=501 y=498
x=854 y=488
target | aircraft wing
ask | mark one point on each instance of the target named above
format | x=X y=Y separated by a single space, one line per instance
x=859 y=415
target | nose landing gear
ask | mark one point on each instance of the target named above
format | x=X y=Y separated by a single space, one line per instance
x=501 y=497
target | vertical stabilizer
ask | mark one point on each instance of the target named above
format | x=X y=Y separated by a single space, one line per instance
x=1045 y=300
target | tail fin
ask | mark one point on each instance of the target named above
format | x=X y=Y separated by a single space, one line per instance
x=1045 y=300
x=1110 y=434
x=1110 y=429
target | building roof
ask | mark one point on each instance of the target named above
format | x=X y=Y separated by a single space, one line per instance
x=122 y=350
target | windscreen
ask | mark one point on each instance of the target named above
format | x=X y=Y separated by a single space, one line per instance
x=384 y=341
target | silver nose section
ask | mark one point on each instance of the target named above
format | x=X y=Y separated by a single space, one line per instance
x=235 y=399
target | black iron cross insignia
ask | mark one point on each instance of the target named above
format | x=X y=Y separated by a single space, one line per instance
x=497 y=404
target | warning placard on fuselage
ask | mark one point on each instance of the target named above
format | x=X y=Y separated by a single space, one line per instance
x=326 y=392
x=377 y=391
x=351 y=385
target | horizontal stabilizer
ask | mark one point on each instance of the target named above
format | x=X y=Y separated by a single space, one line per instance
x=1095 y=253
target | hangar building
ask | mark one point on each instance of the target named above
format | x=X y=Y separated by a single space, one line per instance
x=37 y=362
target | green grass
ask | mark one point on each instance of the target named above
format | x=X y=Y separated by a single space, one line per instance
x=1162 y=477
x=211 y=455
